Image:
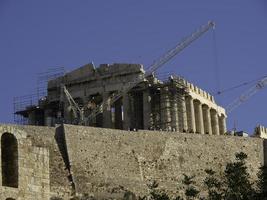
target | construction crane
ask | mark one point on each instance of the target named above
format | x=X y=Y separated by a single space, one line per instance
x=156 y=65
x=239 y=85
x=245 y=96
x=179 y=47
x=77 y=111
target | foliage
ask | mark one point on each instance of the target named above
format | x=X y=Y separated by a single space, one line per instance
x=214 y=186
x=128 y=195
x=262 y=183
x=155 y=193
x=233 y=184
x=238 y=185
x=56 y=198
x=83 y=197
x=190 y=192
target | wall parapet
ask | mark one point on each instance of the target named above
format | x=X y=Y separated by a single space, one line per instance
x=193 y=88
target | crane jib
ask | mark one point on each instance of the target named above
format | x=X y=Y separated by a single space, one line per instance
x=156 y=65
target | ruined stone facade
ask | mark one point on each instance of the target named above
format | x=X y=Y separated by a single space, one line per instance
x=48 y=162
x=179 y=130
x=152 y=104
x=24 y=166
x=260 y=131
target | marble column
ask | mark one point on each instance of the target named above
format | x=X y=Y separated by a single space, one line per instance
x=174 y=113
x=215 y=122
x=68 y=113
x=165 y=109
x=32 y=118
x=190 y=114
x=184 y=114
x=207 y=120
x=107 y=122
x=118 y=114
x=48 y=117
x=155 y=109
x=147 y=109
x=199 y=117
x=183 y=126
x=126 y=111
x=132 y=111
x=222 y=124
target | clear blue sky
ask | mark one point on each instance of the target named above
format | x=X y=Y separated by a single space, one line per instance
x=36 y=35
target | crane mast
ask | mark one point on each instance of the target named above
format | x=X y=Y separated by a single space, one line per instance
x=245 y=96
x=156 y=65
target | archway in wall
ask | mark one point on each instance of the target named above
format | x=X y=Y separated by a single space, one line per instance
x=10 y=199
x=9 y=158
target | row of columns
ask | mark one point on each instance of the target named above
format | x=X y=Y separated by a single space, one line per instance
x=121 y=117
x=201 y=118
x=177 y=112
x=186 y=114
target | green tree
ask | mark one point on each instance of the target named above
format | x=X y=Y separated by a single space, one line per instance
x=238 y=185
x=83 y=197
x=262 y=183
x=213 y=185
x=191 y=191
x=155 y=193
x=233 y=184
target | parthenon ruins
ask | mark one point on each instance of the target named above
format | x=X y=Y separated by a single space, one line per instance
x=173 y=104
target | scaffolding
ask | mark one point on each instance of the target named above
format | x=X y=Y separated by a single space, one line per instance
x=37 y=103
x=176 y=94
x=27 y=102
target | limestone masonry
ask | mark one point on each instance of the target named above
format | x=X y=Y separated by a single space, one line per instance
x=158 y=130
x=65 y=160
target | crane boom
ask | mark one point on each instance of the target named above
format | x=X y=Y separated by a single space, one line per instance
x=179 y=47
x=245 y=96
x=78 y=113
x=157 y=64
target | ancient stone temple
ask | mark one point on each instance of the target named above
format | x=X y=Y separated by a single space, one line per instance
x=152 y=104
x=78 y=140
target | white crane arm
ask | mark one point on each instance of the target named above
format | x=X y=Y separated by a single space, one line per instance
x=179 y=47
x=245 y=96
x=157 y=64
x=74 y=106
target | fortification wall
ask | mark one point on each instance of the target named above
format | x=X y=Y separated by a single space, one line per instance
x=41 y=169
x=106 y=161
x=52 y=138
x=33 y=169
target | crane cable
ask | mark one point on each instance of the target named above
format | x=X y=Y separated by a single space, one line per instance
x=216 y=62
x=239 y=85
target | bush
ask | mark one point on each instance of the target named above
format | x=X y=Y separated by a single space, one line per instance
x=233 y=184
x=262 y=183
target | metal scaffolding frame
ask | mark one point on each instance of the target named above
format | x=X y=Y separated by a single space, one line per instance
x=22 y=103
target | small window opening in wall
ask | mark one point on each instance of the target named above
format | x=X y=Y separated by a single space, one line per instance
x=10 y=199
x=9 y=157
